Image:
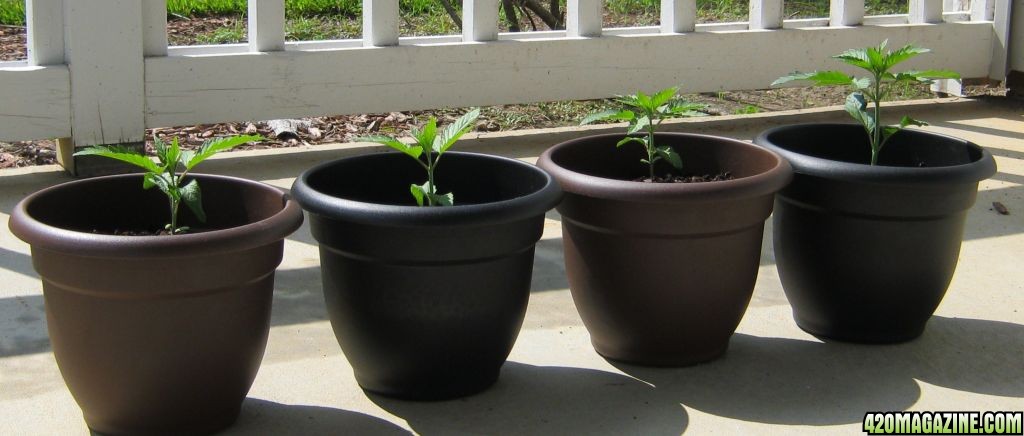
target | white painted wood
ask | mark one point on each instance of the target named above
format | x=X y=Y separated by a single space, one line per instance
x=208 y=89
x=106 y=65
x=154 y=27
x=1001 y=20
x=480 y=20
x=956 y=17
x=925 y=11
x=950 y=87
x=678 y=16
x=266 y=25
x=982 y=10
x=882 y=20
x=380 y=23
x=846 y=12
x=805 y=23
x=45 y=20
x=1016 y=55
x=583 y=18
x=955 y=5
x=36 y=102
x=765 y=14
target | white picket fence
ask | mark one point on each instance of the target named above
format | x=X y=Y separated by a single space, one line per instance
x=101 y=71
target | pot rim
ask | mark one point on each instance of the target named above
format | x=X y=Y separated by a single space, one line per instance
x=766 y=182
x=251 y=235
x=972 y=172
x=535 y=203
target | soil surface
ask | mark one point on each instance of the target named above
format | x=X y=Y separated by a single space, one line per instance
x=345 y=128
x=671 y=178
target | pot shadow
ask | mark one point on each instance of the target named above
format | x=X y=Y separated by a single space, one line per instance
x=972 y=355
x=270 y=418
x=23 y=326
x=788 y=381
x=801 y=382
x=530 y=400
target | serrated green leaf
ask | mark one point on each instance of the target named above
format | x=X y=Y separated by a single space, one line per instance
x=856 y=106
x=162 y=182
x=644 y=101
x=193 y=198
x=443 y=200
x=664 y=96
x=907 y=121
x=629 y=139
x=687 y=109
x=212 y=147
x=818 y=77
x=611 y=114
x=170 y=159
x=857 y=57
x=876 y=57
x=861 y=83
x=671 y=156
x=455 y=130
x=926 y=76
x=412 y=150
x=121 y=153
x=901 y=54
x=425 y=138
x=418 y=192
x=640 y=123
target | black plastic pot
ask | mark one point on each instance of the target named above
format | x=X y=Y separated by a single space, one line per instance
x=662 y=273
x=426 y=302
x=865 y=253
x=157 y=334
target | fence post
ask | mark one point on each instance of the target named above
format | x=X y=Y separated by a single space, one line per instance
x=1015 y=78
x=103 y=49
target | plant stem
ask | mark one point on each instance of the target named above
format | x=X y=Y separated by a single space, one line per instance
x=430 y=179
x=877 y=138
x=650 y=150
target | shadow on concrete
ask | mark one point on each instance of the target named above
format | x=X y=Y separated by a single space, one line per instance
x=530 y=400
x=270 y=418
x=800 y=382
x=16 y=262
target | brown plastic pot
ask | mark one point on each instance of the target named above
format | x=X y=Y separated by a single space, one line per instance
x=662 y=273
x=865 y=253
x=426 y=302
x=157 y=334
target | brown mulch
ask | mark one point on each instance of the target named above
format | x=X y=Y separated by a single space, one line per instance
x=12 y=43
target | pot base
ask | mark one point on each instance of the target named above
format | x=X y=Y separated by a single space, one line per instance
x=190 y=426
x=661 y=359
x=861 y=334
x=436 y=389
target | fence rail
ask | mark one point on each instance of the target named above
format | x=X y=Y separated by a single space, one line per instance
x=101 y=72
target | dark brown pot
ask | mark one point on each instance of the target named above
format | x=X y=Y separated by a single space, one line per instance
x=865 y=253
x=426 y=302
x=662 y=273
x=157 y=334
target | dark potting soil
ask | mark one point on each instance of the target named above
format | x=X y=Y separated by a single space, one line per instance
x=670 y=178
x=136 y=232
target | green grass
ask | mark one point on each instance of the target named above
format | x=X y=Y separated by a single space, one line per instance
x=12 y=12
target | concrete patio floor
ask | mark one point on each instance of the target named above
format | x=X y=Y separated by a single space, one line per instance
x=774 y=379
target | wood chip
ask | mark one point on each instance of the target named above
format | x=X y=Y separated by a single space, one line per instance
x=250 y=129
x=1000 y=208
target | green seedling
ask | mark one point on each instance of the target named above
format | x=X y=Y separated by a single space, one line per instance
x=646 y=112
x=428 y=148
x=875 y=88
x=164 y=174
